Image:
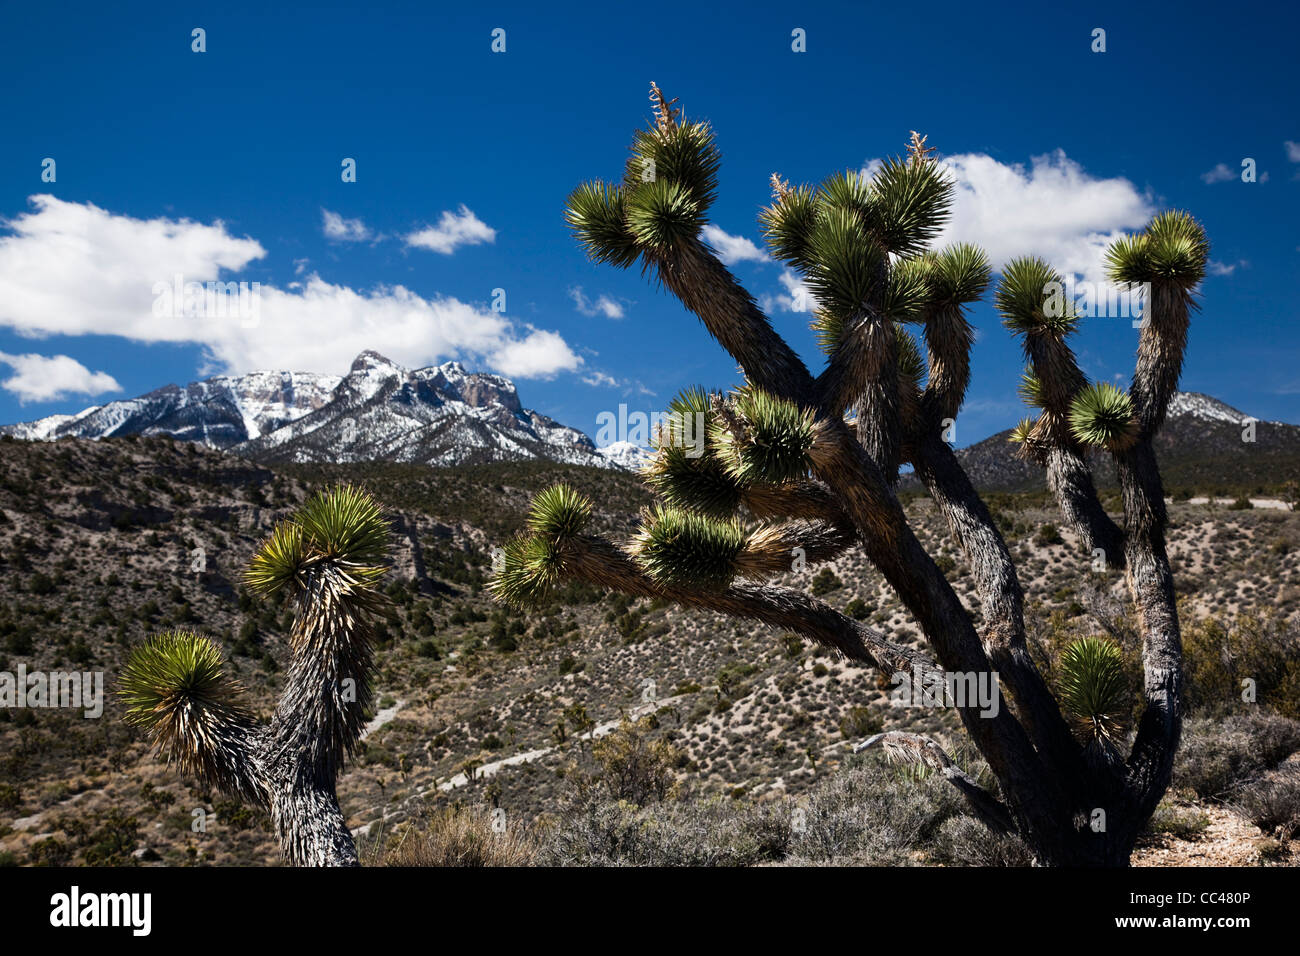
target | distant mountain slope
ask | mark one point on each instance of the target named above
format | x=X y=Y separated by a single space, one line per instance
x=1200 y=445
x=218 y=412
x=444 y=415
x=379 y=411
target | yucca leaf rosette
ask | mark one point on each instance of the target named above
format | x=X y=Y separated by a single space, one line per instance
x=174 y=685
x=597 y=213
x=686 y=469
x=685 y=548
x=533 y=561
x=1172 y=249
x=1102 y=415
x=959 y=274
x=763 y=439
x=1093 y=689
x=1032 y=300
x=343 y=526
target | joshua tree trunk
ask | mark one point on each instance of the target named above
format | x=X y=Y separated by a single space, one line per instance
x=328 y=559
x=785 y=480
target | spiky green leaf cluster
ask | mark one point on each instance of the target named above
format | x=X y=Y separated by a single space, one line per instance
x=174 y=685
x=169 y=670
x=681 y=547
x=1021 y=433
x=842 y=236
x=848 y=266
x=686 y=470
x=559 y=512
x=530 y=567
x=343 y=525
x=668 y=184
x=531 y=563
x=911 y=204
x=1031 y=389
x=1102 y=414
x=597 y=213
x=1093 y=688
x=959 y=274
x=902 y=209
x=1032 y=301
x=788 y=223
x=1173 y=248
x=685 y=154
x=909 y=289
x=662 y=214
x=767 y=439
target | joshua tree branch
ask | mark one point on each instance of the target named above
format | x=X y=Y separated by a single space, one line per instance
x=948 y=338
x=918 y=749
x=1002 y=600
x=808 y=500
x=1150 y=763
x=863 y=372
x=1070 y=480
x=603 y=564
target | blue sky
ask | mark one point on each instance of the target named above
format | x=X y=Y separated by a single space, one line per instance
x=226 y=165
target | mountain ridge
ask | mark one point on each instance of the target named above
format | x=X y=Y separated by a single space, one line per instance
x=444 y=415
x=438 y=415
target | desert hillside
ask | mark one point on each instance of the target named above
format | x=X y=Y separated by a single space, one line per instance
x=105 y=542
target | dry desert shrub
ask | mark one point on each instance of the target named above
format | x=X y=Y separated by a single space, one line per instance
x=460 y=836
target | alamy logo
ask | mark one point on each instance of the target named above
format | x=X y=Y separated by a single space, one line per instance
x=947 y=689
x=76 y=689
x=681 y=431
x=179 y=299
x=1107 y=300
x=74 y=908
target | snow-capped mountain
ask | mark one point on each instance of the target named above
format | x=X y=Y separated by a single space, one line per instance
x=379 y=411
x=1197 y=405
x=218 y=412
x=626 y=455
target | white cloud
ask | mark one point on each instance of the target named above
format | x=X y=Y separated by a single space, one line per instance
x=1292 y=152
x=75 y=269
x=44 y=378
x=798 y=297
x=603 y=305
x=732 y=249
x=1219 y=174
x=540 y=354
x=461 y=228
x=597 y=379
x=1216 y=268
x=343 y=230
x=1053 y=209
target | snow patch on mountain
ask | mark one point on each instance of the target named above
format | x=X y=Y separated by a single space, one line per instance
x=1202 y=406
x=442 y=415
x=626 y=455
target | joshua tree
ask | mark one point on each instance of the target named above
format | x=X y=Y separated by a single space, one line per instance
x=796 y=468
x=328 y=558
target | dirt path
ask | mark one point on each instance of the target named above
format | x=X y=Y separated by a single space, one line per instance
x=382 y=717
x=1274 y=504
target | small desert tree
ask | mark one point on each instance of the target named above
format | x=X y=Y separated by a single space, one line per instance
x=793 y=469
x=328 y=559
